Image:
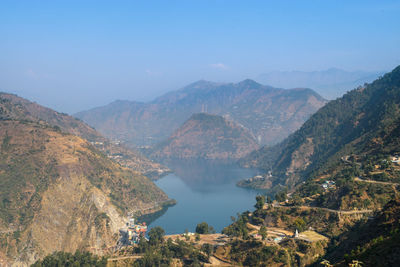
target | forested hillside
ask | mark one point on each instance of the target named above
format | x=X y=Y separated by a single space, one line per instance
x=363 y=122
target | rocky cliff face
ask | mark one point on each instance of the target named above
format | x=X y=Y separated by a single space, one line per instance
x=208 y=137
x=58 y=192
x=269 y=113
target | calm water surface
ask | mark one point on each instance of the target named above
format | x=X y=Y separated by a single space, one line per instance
x=204 y=191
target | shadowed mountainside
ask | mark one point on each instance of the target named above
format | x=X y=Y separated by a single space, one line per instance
x=269 y=113
x=207 y=136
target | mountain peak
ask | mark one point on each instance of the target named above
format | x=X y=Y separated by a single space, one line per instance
x=207 y=136
x=154 y=121
x=201 y=84
x=249 y=83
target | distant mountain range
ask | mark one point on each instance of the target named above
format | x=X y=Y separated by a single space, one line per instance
x=270 y=114
x=330 y=83
x=206 y=136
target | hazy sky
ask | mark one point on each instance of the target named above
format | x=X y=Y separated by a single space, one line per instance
x=74 y=55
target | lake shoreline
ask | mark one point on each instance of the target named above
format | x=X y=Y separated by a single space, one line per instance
x=205 y=191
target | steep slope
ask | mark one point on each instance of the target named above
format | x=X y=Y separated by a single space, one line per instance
x=57 y=192
x=270 y=114
x=208 y=137
x=363 y=122
x=374 y=242
x=17 y=108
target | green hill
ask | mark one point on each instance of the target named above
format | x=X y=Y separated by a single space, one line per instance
x=339 y=175
x=363 y=122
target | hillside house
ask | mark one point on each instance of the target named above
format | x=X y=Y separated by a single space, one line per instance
x=328 y=185
x=134 y=231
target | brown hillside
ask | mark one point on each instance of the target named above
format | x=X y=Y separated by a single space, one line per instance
x=57 y=192
x=17 y=108
x=209 y=137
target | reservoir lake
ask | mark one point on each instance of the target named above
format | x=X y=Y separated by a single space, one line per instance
x=205 y=191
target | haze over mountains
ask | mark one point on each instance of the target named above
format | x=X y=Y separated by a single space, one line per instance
x=330 y=83
x=279 y=122
x=270 y=114
x=48 y=174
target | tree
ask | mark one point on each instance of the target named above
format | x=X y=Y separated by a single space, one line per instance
x=238 y=228
x=297 y=200
x=385 y=164
x=61 y=258
x=299 y=224
x=156 y=235
x=142 y=245
x=186 y=234
x=281 y=196
x=207 y=248
x=260 y=202
x=202 y=228
x=368 y=168
x=263 y=232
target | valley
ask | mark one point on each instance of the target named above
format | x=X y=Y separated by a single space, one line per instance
x=307 y=198
x=199 y=133
x=311 y=191
x=327 y=183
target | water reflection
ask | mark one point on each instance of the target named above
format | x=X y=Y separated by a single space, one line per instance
x=207 y=175
x=204 y=191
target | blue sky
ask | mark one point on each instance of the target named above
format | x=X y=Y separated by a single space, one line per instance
x=74 y=55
